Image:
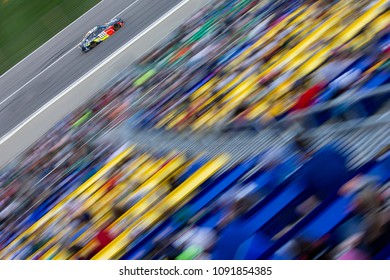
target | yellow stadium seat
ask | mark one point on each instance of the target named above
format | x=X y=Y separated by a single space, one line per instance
x=319 y=57
x=96 y=201
x=175 y=199
x=27 y=235
x=104 y=215
x=144 y=203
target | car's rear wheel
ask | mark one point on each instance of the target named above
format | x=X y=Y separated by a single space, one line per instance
x=117 y=26
x=92 y=45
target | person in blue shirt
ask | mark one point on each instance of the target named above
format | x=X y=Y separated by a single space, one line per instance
x=325 y=172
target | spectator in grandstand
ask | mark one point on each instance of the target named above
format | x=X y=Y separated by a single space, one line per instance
x=323 y=174
x=38 y=240
x=361 y=236
x=367 y=232
x=163 y=247
x=353 y=254
x=358 y=183
x=231 y=232
x=173 y=183
x=8 y=211
x=74 y=251
x=379 y=67
x=296 y=248
x=308 y=94
x=102 y=238
x=352 y=65
x=201 y=238
x=73 y=230
x=238 y=122
x=248 y=192
x=338 y=62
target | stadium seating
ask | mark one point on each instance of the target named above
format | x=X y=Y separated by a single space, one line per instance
x=246 y=61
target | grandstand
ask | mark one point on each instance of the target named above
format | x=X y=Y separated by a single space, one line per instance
x=257 y=130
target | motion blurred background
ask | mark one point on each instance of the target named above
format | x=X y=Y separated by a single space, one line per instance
x=257 y=130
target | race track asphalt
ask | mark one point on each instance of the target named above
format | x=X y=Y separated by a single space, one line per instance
x=59 y=63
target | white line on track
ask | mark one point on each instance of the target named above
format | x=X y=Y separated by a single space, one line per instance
x=88 y=74
x=36 y=76
x=128 y=7
x=58 y=59
x=52 y=38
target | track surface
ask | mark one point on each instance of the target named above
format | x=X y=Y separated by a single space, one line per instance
x=58 y=63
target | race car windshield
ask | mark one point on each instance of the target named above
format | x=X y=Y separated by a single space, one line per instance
x=88 y=34
x=94 y=32
x=97 y=30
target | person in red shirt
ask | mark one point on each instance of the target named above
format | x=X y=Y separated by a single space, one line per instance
x=307 y=98
x=103 y=238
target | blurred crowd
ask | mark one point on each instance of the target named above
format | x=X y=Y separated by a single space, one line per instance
x=363 y=234
x=234 y=65
x=237 y=71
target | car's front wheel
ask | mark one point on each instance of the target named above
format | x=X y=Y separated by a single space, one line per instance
x=92 y=45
